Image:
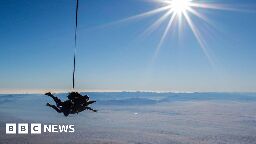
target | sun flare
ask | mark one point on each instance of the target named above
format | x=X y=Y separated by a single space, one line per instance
x=180 y=6
x=181 y=11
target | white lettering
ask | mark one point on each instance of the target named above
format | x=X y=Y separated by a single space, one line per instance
x=72 y=129
x=63 y=128
x=55 y=128
x=47 y=128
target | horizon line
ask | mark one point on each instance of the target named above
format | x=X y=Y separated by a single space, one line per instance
x=42 y=91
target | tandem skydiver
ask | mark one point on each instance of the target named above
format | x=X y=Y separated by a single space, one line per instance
x=76 y=103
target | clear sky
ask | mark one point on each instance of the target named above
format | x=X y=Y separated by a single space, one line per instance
x=37 y=42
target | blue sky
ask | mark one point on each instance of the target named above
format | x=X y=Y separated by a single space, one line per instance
x=37 y=41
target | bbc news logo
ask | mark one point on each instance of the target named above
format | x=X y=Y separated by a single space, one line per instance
x=37 y=128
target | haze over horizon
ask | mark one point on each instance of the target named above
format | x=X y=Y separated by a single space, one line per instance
x=43 y=91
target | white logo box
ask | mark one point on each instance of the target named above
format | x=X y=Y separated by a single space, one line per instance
x=23 y=128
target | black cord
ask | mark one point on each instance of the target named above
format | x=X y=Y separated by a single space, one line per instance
x=74 y=70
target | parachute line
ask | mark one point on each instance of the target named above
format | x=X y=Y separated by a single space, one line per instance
x=74 y=68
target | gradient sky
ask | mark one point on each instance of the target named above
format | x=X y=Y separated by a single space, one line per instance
x=37 y=41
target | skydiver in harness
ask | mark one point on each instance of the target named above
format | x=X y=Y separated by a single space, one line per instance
x=76 y=103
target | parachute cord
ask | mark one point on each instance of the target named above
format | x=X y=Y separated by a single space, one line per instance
x=74 y=68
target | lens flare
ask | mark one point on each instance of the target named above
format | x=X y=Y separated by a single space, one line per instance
x=176 y=10
x=180 y=6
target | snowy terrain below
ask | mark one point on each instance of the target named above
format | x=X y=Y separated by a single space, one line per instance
x=139 y=117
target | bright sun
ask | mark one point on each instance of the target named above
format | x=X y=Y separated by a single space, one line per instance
x=180 y=6
x=180 y=11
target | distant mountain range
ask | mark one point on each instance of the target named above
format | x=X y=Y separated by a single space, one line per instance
x=144 y=98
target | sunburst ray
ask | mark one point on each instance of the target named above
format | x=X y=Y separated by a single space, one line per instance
x=176 y=10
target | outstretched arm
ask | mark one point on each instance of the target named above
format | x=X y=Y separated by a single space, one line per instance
x=89 y=108
x=90 y=102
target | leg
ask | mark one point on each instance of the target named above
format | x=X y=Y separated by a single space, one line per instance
x=66 y=112
x=54 y=107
